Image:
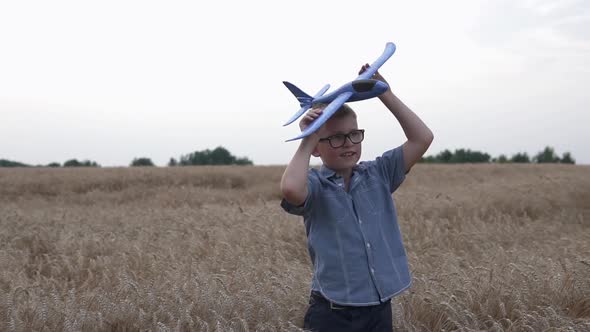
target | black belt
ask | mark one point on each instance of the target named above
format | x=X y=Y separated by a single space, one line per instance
x=317 y=296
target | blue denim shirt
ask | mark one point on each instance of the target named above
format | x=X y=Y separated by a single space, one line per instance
x=353 y=237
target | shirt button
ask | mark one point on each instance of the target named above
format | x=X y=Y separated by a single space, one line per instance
x=369 y=245
x=373 y=270
x=360 y=221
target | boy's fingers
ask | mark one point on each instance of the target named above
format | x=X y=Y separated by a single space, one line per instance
x=364 y=68
x=312 y=116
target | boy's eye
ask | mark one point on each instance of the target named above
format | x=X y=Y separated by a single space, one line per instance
x=338 y=137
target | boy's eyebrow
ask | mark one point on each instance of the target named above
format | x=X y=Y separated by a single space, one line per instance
x=335 y=133
x=343 y=132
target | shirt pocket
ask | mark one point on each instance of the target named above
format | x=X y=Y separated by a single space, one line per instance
x=374 y=195
x=334 y=207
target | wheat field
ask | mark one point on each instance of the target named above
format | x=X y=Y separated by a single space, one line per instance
x=491 y=247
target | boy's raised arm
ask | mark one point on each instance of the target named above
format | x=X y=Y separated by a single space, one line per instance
x=294 y=180
x=418 y=134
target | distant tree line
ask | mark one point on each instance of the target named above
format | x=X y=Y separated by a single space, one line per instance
x=68 y=163
x=9 y=163
x=143 y=161
x=221 y=156
x=76 y=163
x=548 y=155
x=217 y=156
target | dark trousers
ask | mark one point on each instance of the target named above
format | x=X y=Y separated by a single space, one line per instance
x=323 y=316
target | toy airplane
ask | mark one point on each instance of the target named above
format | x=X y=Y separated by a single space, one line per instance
x=363 y=87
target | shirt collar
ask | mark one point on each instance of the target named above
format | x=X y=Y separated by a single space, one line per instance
x=328 y=172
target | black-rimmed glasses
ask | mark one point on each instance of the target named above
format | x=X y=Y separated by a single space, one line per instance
x=338 y=140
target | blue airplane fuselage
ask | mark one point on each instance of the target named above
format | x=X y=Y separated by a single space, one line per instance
x=361 y=89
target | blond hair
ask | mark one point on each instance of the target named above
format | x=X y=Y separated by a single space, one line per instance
x=342 y=112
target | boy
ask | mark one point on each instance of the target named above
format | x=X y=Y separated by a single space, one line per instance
x=354 y=241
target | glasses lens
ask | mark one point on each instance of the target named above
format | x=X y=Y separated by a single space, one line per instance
x=356 y=136
x=337 y=141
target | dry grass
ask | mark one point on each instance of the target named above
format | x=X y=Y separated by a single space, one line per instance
x=492 y=247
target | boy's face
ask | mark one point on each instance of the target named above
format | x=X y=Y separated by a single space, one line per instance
x=340 y=158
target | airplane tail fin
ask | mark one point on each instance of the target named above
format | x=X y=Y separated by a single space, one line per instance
x=305 y=100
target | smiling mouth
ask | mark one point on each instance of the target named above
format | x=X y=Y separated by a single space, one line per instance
x=347 y=154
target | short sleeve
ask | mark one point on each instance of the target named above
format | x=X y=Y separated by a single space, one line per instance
x=303 y=209
x=391 y=166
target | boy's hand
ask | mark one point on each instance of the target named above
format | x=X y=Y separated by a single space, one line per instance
x=376 y=76
x=309 y=117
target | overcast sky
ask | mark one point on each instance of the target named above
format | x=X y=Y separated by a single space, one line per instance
x=113 y=80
